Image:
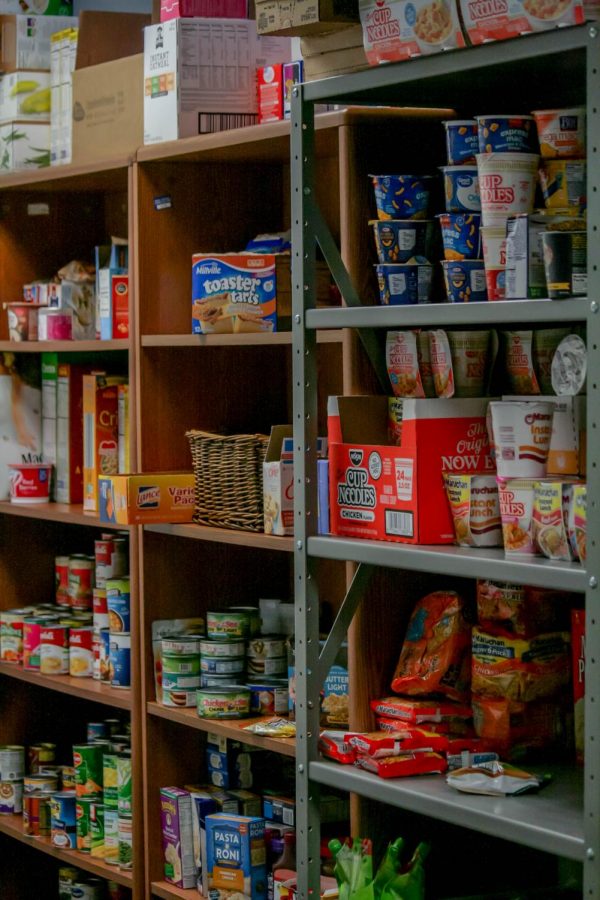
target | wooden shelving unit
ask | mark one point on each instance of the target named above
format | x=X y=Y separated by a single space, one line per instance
x=86 y=688
x=67 y=514
x=169 y=891
x=63 y=346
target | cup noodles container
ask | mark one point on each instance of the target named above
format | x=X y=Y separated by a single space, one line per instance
x=461 y=141
x=30 y=482
x=578 y=651
x=469 y=352
x=493 y=240
x=461 y=189
x=401 y=196
x=507 y=185
x=561 y=132
x=384 y=492
x=549 y=526
x=522 y=432
x=399 y=29
x=399 y=240
x=563 y=183
x=475 y=509
x=460 y=235
x=506 y=134
x=484 y=21
x=566 y=439
x=577 y=521
x=516 y=511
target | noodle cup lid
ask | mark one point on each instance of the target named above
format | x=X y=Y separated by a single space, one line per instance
x=569 y=366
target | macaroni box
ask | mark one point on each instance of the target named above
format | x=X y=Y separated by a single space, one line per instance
x=233 y=293
x=401 y=29
x=100 y=433
x=177 y=837
x=236 y=857
x=278 y=482
x=396 y=493
x=154 y=497
x=494 y=21
x=203 y=805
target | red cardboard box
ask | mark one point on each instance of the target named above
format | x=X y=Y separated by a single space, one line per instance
x=120 y=306
x=212 y=9
x=390 y=493
x=69 y=432
x=270 y=93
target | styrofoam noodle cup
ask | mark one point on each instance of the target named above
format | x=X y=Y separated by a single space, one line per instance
x=493 y=240
x=506 y=184
x=516 y=511
x=521 y=432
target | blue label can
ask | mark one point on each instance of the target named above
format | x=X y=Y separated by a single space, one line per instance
x=120 y=660
x=119 y=606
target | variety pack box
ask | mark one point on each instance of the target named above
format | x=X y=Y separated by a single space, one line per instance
x=216 y=9
x=200 y=75
x=25 y=40
x=236 y=857
x=233 y=293
x=401 y=29
x=396 y=493
x=153 y=497
x=278 y=482
x=177 y=837
x=300 y=17
x=100 y=433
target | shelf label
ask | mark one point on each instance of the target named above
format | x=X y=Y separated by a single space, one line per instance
x=38 y=209
x=163 y=202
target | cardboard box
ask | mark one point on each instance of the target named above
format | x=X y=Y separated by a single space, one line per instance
x=25 y=40
x=25 y=95
x=396 y=493
x=69 y=432
x=24 y=145
x=197 y=71
x=233 y=293
x=300 y=17
x=279 y=809
x=124 y=429
x=278 y=482
x=104 y=36
x=270 y=93
x=484 y=21
x=336 y=53
x=213 y=9
x=120 y=306
x=236 y=856
x=100 y=434
x=177 y=837
x=401 y=29
x=203 y=805
x=49 y=366
x=108 y=109
x=154 y=497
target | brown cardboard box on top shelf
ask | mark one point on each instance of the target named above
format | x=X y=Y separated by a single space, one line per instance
x=302 y=17
x=336 y=53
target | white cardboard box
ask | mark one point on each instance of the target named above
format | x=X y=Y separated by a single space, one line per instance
x=278 y=482
x=24 y=145
x=25 y=95
x=200 y=75
x=25 y=40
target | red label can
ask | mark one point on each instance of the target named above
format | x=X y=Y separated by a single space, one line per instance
x=81 y=652
x=54 y=650
x=61 y=569
x=81 y=582
x=36 y=814
x=104 y=553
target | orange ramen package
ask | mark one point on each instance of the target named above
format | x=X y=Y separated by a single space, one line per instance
x=435 y=656
x=518 y=359
x=402 y=358
x=508 y=725
x=449 y=728
x=520 y=669
x=441 y=363
x=379 y=744
x=516 y=611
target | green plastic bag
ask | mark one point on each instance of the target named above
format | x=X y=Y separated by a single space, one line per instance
x=354 y=869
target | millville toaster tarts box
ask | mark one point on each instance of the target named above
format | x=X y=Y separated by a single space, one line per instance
x=396 y=493
x=153 y=497
x=236 y=857
x=233 y=293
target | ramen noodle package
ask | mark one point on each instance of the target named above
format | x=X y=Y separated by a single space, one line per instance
x=441 y=363
x=415 y=712
x=578 y=648
x=512 y=610
x=549 y=528
x=336 y=745
x=400 y=29
x=380 y=744
x=469 y=351
x=520 y=669
x=475 y=509
x=402 y=358
x=416 y=763
x=518 y=359
x=577 y=520
x=496 y=21
x=514 y=728
x=435 y=653
x=516 y=511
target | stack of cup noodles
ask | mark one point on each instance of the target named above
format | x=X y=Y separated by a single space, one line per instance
x=403 y=238
x=507 y=164
x=460 y=224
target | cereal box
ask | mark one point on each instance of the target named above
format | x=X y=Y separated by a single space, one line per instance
x=233 y=293
x=177 y=839
x=236 y=857
x=154 y=497
x=489 y=20
x=100 y=433
x=400 y=29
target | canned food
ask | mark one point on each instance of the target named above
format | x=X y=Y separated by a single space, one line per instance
x=54 y=650
x=32 y=633
x=81 y=653
x=103 y=552
x=109 y=770
x=253 y=614
x=100 y=609
x=54 y=771
x=124 y=791
x=36 y=814
x=111 y=836
x=222 y=648
x=67 y=876
x=90 y=889
x=97 y=829
x=183 y=645
x=227 y=666
x=226 y=624
x=120 y=660
x=119 y=605
x=181 y=696
x=44 y=783
x=105 y=670
x=276 y=666
x=269 y=697
x=232 y=702
x=88 y=769
x=11 y=634
x=266 y=647
x=39 y=755
x=207 y=680
x=11 y=798
x=180 y=665
x=68 y=778
x=81 y=581
x=12 y=762
x=125 y=843
x=61 y=570
x=83 y=825
x=62 y=820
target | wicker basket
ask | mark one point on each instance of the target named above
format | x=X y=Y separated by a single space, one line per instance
x=228 y=479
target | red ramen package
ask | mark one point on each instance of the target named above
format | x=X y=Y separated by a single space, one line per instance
x=441 y=363
x=416 y=712
x=515 y=728
x=335 y=745
x=516 y=611
x=379 y=744
x=520 y=669
x=402 y=358
x=435 y=656
x=408 y=764
x=518 y=358
x=451 y=727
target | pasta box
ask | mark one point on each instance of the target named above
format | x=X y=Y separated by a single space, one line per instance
x=153 y=497
x=396 y=493
x=401 y=29
x=236 y=857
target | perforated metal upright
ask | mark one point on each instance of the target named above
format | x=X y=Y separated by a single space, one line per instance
x=548 y=69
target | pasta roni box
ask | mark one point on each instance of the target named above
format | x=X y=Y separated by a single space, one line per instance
x=396 y=493
x=154 y=497
x=236 y=857
x=233 y=293
x=400 y=29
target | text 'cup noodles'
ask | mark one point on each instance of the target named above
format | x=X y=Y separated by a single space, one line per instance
x=521 y=435
x=475 y=509
x=506 y=185
x=516 y=511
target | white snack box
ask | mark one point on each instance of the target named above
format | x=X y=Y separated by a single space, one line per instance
x=24 y=145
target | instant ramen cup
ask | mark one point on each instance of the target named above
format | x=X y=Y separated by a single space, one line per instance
x=460 y=235
x=461 y=189
x=407 y=284
x=398 y=240
x=506 y=134
x=475 y=509
x=493 y=240
x=30 y=482
x=521 y=435
x=469 y=351
x=561 y=132
x=461 y=141
x=401 y=196
x=516 y=511
x=507 y=185
x=465 y=280
x=563 y=183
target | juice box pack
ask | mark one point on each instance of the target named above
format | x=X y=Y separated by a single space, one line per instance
x=233 y=293
x=236 y=857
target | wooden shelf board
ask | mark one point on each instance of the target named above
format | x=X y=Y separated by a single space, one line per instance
x=107 y=174
x=63 y=346
x=13 y=827
x=87 y=688
x=225 y=536
x=232 y=728
x=70 y=514
x=233 y=340
x=167 y=890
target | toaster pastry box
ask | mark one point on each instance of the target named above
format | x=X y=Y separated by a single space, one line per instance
x=152 y=497
x=396 y=493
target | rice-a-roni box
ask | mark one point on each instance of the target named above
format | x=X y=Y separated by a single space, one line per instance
x=401 y=29
x=233 y=293
x=396 y=493
x=236 y=857
x=495 y=20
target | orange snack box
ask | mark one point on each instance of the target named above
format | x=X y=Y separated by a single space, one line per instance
x=153 y=497
x=100 y=433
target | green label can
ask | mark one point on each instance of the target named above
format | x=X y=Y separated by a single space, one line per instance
x=124 y=795
x=125 y=843
x=97 y=829
x=111 y=836
x=181 y=665
x=231 y=702
x=67 y=876
x=83 y=823
x=109 y=770
x=87 y=759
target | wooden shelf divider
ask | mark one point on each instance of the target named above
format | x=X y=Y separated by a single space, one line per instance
x=63 y=346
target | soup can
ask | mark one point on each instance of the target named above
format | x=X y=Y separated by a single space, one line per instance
x=120 y=660
x=90 y=889
x=11 y=634
x=12 y=762
x=44 y=783
x=269 y=697
x=40 y=754
x=54 y=650
x=103 y=552
x=230 y=702
x=32 y=633
x=87 y=759
x=11 y=798
x=125 y=842
x=222 y=648
x=36 y=814
x=253 y=613
x=81 y=652
x=62 y=820
x=124 y=784
x=83 y=820
x=111 y=836
x=97 y=829
x=119 y=605
x=81 y=581
x=61 y=570
x=100 y=609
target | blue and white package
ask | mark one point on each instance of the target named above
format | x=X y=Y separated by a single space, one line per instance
x=234 y=293
x=236 y=857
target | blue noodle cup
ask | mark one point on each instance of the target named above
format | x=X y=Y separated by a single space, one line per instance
x=465 y=280
x=506 y=134
x=398 y=240
x=461 y=189
x=460 y=235
x=405 y=284
x=462 y=142
x=401 y=196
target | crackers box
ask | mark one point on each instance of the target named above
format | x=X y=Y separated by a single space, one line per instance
x=236 y=857
x=278 y=482
x=396 y=493
x=401 y=29
x=177 y=837
x=100 y=433
x=486 y=21
x=153 y=497
x=233 y=293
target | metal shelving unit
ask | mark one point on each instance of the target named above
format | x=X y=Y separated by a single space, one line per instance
x=544 y=70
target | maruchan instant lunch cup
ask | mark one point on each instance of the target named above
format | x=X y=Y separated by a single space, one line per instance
x=461 y=141
x=506 y=134
x=561 y=132
x=506 y=184
x=461 y=189
x=405 y=285
x=460 y=235
x=401 y=196
x=398 y=240
x=465 y=280
x=521 y=436
x=475 y=509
